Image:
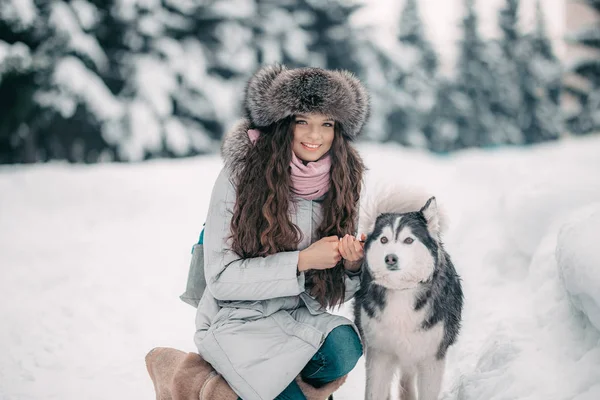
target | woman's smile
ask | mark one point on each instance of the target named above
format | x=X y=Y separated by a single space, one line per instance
x=311 y=147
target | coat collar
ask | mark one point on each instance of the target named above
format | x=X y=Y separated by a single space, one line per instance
x=235 y=146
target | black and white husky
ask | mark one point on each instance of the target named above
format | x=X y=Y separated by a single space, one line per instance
x=408 y=308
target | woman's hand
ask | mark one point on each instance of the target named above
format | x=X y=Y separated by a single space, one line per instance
x=322 y=254
x=351 y=250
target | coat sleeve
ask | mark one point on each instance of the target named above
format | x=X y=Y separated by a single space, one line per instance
x=229 y=277
x=352 y=280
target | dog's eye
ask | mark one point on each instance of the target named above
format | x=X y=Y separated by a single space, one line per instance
x=383 y=240
x=408 y=240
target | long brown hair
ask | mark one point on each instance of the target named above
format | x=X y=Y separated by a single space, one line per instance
x=261 y=222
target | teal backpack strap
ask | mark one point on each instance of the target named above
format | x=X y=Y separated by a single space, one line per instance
x=196 y=282
x=201 y=238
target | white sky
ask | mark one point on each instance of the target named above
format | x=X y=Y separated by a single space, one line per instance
x=443 y=20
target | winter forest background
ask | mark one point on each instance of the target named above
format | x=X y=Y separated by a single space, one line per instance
x=128 y=80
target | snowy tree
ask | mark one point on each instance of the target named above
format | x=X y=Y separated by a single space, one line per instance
x=541 y=118
x=508 y=64
x=377 y=74
x=588 y=119
x=527 y=77
x=17 y=79
x=475 y=82
x=446 y=118
x=333 y=37
x=51 y=94
x=167 y=109
x=414 y=80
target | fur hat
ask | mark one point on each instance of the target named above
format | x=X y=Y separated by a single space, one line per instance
x=275 y=92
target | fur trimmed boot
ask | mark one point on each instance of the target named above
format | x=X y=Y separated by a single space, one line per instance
x=322 y=393
x=177 y=375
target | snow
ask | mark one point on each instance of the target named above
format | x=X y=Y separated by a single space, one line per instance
x=578 y=264
x=149 y=69
x=234 y=9
x=72 y=76
x=64 y=20
x=20 y=12
x=14 y=57
x=177 y=139
x=93 y=259
x=144 y=132
x=87 y=13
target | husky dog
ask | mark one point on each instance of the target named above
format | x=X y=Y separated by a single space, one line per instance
x=408 y=308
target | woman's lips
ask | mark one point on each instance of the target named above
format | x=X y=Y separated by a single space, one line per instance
x=311 y=147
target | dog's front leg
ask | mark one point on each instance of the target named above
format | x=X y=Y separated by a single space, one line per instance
x=407 y=385
x=430 y=377
x=380 y=368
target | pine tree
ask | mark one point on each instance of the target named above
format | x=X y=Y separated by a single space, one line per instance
x=443 y=131
x=169 y=109
x=377 y=74
x=588 y=119
x=56 y=111
x=508 y=72
x=475 y=84
x=331 y=39
x=541 y=84
x=19 y=39
x=414 y=83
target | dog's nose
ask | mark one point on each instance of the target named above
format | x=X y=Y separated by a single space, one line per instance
x=391 y=260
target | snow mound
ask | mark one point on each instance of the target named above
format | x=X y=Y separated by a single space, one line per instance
x=533 y=208
x=579 y=262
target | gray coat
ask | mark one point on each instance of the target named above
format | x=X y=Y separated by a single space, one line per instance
x=256 y=324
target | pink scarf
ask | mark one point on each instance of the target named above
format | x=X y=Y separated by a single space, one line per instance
x=309 y=181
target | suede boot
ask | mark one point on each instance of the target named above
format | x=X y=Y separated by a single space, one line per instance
x=322 y=393
x=177 y=375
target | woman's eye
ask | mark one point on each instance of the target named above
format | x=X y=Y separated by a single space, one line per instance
x=301 y=122
x=408 y=240
x=383 y=240
x=328 y=124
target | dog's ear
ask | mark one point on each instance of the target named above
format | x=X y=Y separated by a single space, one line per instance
x=430 y=212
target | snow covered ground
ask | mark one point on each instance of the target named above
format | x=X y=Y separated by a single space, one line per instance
x=93 y=258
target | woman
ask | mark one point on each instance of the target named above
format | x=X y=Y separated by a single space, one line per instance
x=278 y=244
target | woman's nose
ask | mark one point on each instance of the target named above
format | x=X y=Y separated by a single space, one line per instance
x=314 y=132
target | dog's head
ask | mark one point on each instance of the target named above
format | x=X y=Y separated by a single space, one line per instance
x=402 y=250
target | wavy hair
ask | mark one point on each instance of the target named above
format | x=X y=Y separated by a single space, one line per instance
x=261 y=222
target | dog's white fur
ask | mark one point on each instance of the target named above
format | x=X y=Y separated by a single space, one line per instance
x=396 y=340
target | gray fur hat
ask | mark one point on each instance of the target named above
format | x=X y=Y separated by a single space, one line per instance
x=275 y=92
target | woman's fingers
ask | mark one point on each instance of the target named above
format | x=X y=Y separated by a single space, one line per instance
x=347 y=243
x=358 y=246
x=349 y=248
x=342 y=249
x=353 y=252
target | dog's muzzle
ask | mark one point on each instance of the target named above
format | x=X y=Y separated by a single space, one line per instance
x=391 y=262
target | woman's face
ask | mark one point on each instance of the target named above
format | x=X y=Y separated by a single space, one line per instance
x=313 y=136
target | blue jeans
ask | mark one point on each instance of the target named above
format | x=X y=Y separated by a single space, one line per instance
x=337 y=357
